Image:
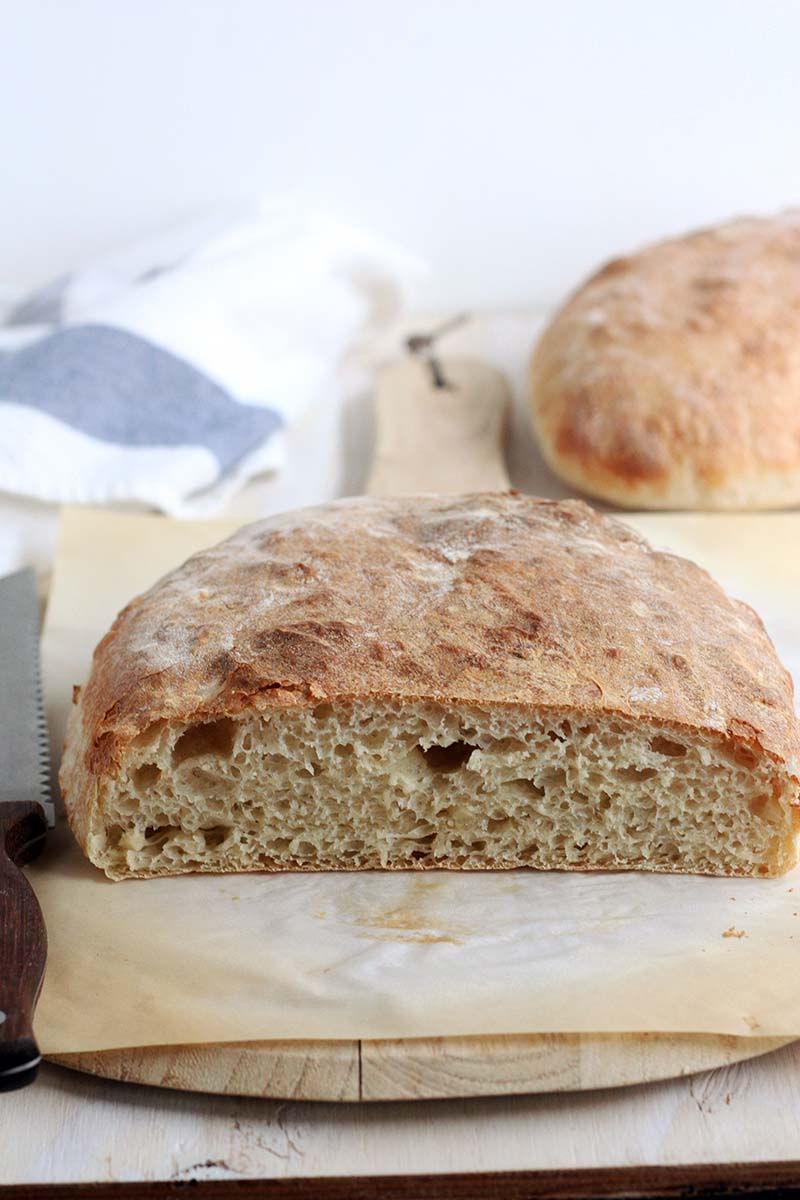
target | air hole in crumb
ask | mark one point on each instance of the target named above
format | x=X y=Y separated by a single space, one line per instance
x=757 y=804
x=447 y=758
x=662 y=745
x=506 y=745
x=213 y=737
x=157 y=833
x=744 y=756
x=149 y=736
x=528 y=786
x=114 y=835
x=215 y=836
x=635 y=772
x=494 y=824
x=145 y=776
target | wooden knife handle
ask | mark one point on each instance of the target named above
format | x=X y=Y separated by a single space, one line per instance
x=432 y=438
x=23 y=943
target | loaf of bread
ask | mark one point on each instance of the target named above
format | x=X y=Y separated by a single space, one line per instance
x=671 y=379
x=480 y=681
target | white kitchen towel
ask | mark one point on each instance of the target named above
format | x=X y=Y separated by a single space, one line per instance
x=166 y=374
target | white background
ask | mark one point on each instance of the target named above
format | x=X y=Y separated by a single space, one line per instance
x=515 y=143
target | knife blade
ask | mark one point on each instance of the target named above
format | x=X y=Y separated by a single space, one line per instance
x=25 y=811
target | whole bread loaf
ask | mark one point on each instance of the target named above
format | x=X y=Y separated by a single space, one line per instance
x=671 y=378
x=479 y=681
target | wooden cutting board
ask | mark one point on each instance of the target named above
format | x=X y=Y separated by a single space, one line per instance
x=422 y=1068
x=439 y=428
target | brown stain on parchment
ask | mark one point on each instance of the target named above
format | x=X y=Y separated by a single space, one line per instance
x=412 y=920
x=418 y=936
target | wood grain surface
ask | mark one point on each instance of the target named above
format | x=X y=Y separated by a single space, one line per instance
x=433 y=438
x=420 y=1069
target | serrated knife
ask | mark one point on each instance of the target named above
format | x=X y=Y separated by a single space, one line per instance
x=25 y=812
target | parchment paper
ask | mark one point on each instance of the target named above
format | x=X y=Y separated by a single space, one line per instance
x=245 y=957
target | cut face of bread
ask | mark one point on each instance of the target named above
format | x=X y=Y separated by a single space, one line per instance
x=377 y=785
x=585 y=703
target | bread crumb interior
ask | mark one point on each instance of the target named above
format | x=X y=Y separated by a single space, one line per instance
x=390 y=785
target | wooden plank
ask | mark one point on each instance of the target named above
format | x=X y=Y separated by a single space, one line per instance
x=440 y=439
x=422 y=1068
x=286 y=1070
x=501 y=1066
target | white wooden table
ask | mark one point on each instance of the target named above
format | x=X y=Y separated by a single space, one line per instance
x=74 y=1128
x=70 y=1128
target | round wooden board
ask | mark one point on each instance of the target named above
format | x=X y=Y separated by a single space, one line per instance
x=421 y=1069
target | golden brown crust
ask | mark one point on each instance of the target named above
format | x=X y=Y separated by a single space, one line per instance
x=487 y=599
x=671 y=378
